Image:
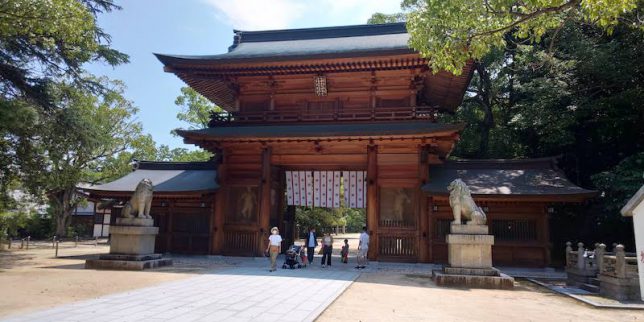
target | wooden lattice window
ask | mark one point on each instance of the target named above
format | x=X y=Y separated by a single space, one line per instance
x=514 y=230
x=442 y=228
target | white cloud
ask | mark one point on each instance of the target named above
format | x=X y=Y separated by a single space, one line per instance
x=281 y=14
x=258 y=14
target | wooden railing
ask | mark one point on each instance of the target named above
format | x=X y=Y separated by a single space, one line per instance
x=240 y=243
x=338 y=114
x=397 y=246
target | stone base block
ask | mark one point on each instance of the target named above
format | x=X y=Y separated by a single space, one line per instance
x=577 y=277
x=502 y=281
x=132 y=240
x=146 y=222
x=122 y=257
x=470 y=251
x=469 y=229
x=471 y=271
x=131 y=265
x=621 y=289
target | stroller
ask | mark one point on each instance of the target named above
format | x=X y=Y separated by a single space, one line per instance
x=293 y=257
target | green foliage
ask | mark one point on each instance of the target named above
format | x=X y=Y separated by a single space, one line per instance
x=450 y=33
x=579 y=97
x=43 y=42
x=22 y=224
x=355 y=219
x=195 y=109
x=620 y=183
x=325 y=219
x=380 y=18
x=71 y=143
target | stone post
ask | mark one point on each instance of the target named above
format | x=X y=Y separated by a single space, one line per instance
x=620 y=263
x=568 y=253
x=600 y=251
x=580 y=255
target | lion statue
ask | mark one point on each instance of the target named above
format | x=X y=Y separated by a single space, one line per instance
x=462 y=204
x=139 y=204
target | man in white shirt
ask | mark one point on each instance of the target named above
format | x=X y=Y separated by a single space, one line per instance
x=311 y=243
x=363 y=248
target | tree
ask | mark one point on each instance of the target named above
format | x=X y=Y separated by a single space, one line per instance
x=50 y=41
x=196 y=110
x=72 y=144
x=380 y=18
x=450 y=33
x=44 y=45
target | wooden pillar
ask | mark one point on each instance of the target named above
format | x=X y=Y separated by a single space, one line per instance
x=217 y=231
x=219 y=209
x=372 y=201
x=545 y=234
x=265 y=201
x=170 y=228
x=423 y=222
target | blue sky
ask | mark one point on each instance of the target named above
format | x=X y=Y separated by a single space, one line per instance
x=197 y=27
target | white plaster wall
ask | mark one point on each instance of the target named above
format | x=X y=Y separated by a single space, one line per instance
x=638 y=227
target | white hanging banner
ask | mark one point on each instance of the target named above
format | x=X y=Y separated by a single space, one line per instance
x=355 y=188
x=313 y=188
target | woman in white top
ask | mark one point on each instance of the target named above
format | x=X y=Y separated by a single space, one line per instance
x=327 y=249
x=274 y=246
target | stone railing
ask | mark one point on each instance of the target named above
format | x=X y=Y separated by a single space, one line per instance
x=614 y=272
x=582 y=258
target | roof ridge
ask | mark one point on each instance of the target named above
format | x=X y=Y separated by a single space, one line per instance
x=543 y=163
x=175 y=165
x=317 y=33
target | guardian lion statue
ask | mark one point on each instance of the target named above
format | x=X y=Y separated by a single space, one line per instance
x=139 y=204
x=460 y=199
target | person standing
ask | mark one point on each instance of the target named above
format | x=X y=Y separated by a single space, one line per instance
x=274 y=247
x=363 y=248
x=311 y=243
x=327 y=249
x=345 y=251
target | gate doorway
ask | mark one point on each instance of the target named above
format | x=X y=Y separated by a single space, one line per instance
x=394 y=235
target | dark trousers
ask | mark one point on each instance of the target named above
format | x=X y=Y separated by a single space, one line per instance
x=310 y=252
x=326 y=255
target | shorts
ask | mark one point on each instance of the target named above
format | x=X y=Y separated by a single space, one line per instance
x=363 y=251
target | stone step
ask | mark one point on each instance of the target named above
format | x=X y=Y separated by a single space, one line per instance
x=590 y=288
x=594 y=281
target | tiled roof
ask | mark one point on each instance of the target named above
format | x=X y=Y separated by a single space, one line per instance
x=528 y=177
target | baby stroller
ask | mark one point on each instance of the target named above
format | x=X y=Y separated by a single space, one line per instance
x=293 y=257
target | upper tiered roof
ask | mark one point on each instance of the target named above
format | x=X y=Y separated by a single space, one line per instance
x=312 y=51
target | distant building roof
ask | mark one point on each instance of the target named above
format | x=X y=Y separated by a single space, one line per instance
x=522 y=178
x=167 y=178
x=335 y=42
x=320 y=130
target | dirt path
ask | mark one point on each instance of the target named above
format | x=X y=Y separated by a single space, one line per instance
x=34 y=279
x=400 y=297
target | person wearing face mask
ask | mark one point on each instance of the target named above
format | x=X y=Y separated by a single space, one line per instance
x=274 y=247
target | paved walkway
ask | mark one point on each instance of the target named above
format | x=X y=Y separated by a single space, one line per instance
x=236 y=294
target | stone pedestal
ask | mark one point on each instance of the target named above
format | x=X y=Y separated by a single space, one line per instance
x=470 y=260
x=131 y=247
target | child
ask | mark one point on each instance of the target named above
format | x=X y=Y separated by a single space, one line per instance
x=303 y=257
x=345 y=251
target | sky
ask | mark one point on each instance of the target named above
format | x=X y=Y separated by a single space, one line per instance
x=202 y=27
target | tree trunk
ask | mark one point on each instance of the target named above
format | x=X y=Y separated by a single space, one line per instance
x=485 y=101
x=63 y=204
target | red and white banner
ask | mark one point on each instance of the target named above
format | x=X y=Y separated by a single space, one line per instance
x=313 y=188
x=355 y=189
